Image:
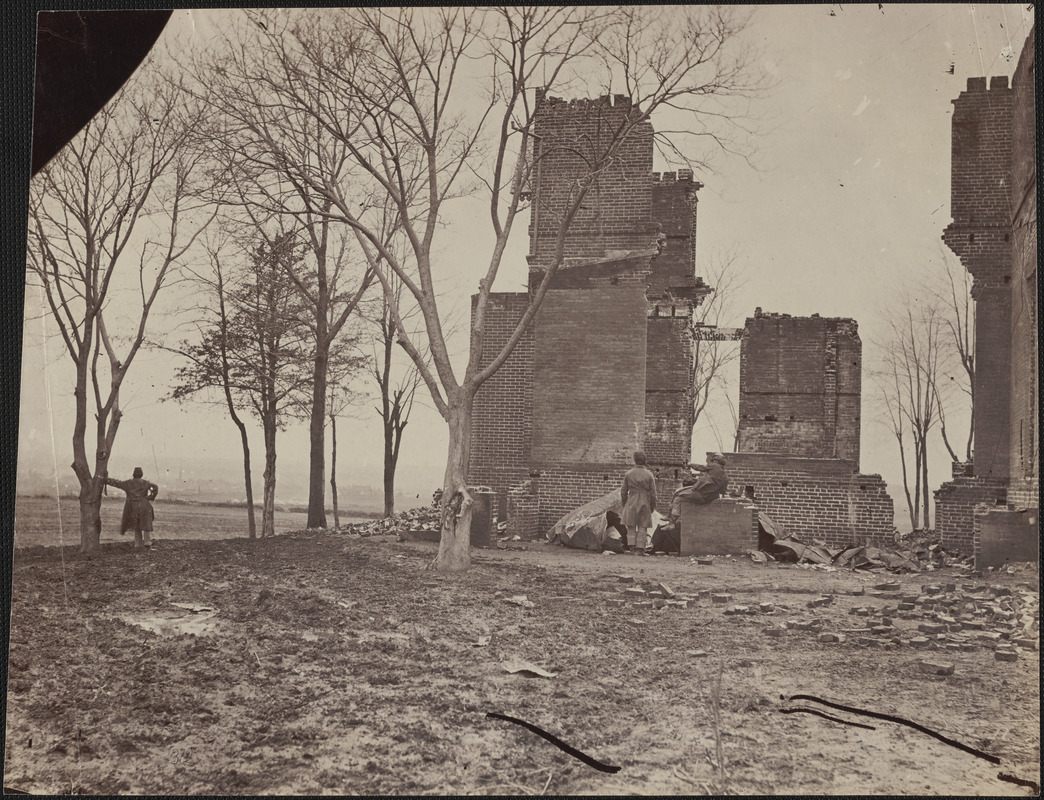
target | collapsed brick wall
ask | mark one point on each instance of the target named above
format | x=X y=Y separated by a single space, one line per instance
x=955 y=502
x=800 y=384
x=815 y=497
x=980 y=235
x=1024 y=435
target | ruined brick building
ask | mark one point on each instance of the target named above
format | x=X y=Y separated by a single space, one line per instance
x=798 y=431
x=606 y=367
x=993 y=502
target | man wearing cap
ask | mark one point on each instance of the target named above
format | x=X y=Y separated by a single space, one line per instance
x=137 y=511
x=638 y=496
x=713 y=483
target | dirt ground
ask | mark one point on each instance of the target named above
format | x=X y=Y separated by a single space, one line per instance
x=317 y=663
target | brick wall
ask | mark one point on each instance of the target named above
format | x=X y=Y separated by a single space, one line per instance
x=589 y=375
x=501 y=422
x=616 y=213
x=980 y=235
x=800 y=383
x=725 y=525
x=815 y=497
x=1024 y=430
x=673 y=197
x=668 y=390
x=955 y=502
x=523 y=510
x=1005 y=535
x=980 y=187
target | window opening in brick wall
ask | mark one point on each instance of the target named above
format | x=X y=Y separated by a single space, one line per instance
x=770 y=418
x=1007 y=236
x=784 y=484
x=971 y=238
x=1007 y=278
x=748 y=491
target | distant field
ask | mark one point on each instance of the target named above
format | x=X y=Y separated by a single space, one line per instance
x=40 y=521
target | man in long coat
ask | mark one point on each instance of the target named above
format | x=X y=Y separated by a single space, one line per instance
x=638 y=495
x=137 y=511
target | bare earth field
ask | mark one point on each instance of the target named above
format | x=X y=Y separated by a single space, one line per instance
x=318 y=663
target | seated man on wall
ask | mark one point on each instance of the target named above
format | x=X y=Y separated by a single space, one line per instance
x=709 y=486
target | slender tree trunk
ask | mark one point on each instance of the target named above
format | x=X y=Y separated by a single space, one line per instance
x=333 y=469
x=316 y=429
x=251 y=522
x=455 y=541
x=389 y=471
x=926 y=496
x=268 y=510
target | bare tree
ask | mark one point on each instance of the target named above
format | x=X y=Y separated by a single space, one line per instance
x=110 y=221
x=950 y=290
x=908 y=381
x=433 y=104
x=212 y=362
x=250 y=143
x=396 y=399
x=711 y=357
x=258 y=348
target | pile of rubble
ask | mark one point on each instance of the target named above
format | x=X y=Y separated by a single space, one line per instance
x=948 y=617
x=920 y=551
x=427 y=519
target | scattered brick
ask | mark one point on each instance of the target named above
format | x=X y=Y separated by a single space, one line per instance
x=890 y=586
x=666 y=590
x=773 y=632
x=881 y=630
x=766 y=608
x=867 y=641
x=656 y=594
x=1005 y=655
x=659 y=603
x=931 y=627
x=858 y=592
x=829 y=637
x=680 y=603
x=968 y=647
x=615 y=602
x=721 y=598
x=704 y=560
x=625 y=578
x=820 y=601
x=920 y=641
x=931 y=588
x=951 y=587
x=637 y=591
x=1022 y=641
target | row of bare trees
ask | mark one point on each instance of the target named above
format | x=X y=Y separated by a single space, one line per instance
x=327 y=148
x=927 y=366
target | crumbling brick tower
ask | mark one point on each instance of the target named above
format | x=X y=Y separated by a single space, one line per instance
x=605 y=368
x=993 y=205
x=799 y=419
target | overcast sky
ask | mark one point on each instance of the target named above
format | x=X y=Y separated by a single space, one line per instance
x=842 y=212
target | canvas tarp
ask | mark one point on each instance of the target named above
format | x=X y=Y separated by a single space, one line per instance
x=587 y=527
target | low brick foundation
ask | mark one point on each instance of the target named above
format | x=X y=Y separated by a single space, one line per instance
x=725 y=525
x=1005 y=534
x=955 y=502
x=815 y=498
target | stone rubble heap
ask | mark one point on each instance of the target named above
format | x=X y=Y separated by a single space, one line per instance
x=946 y=617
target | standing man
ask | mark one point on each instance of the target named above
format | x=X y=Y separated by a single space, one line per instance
x=638 y=495
x=137 y=511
